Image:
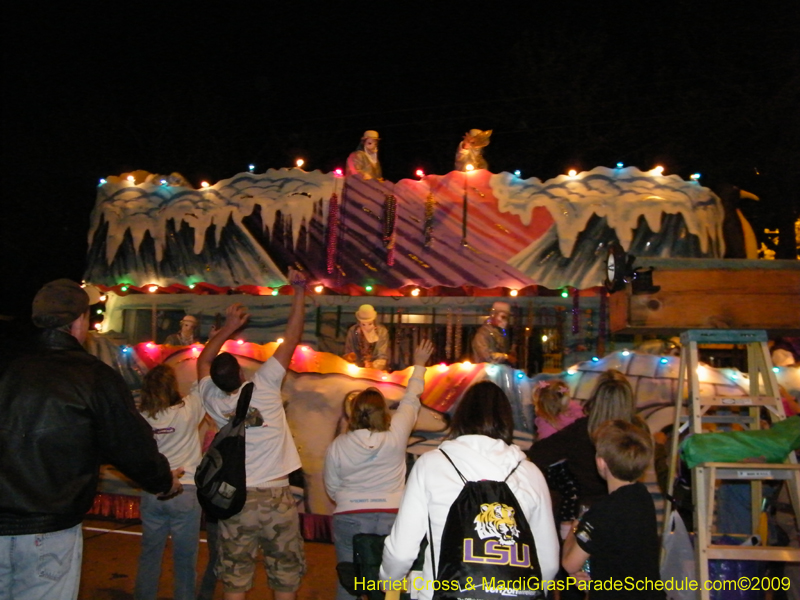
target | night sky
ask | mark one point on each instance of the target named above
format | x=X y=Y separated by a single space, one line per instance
x=709 y=87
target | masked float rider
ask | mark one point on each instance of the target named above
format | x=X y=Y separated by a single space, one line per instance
x=490 y=343
x=367 y=343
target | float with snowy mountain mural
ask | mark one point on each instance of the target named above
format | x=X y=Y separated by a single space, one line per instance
x=474 y=229
x=431 y=255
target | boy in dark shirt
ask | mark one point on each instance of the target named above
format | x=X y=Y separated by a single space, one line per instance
x=617 y=535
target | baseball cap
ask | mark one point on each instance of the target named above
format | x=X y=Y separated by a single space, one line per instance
x=59 y=303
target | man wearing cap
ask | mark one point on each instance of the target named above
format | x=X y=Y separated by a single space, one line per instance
x=187 y=334
x=64 y=412
x=490 y=343
x=367 y=343
x=470 y=150
x=364 y=160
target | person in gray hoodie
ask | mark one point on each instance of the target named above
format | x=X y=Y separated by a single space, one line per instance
x=365 y=468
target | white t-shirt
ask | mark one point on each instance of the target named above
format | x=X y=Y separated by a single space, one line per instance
x=177 y=435
x=270 y=452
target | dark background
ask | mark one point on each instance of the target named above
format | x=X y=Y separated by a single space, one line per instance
x=90 y=91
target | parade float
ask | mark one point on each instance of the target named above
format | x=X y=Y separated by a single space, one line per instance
x=431 y=255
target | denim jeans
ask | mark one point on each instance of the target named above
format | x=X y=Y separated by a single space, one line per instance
x=41 y=566
x=180 y=518
x=346 y=525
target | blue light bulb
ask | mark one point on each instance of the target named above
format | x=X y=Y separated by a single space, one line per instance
x=619 y=165
x=517 y=172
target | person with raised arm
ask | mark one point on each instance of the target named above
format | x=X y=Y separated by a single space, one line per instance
x=365 y=468
x=269 y=519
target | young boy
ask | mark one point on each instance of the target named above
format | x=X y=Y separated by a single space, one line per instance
x=617 y=535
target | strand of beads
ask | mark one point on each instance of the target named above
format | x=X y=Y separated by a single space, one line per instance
x=333 y=231
x=576 y=311
x=430 y=206
x=458 y=335
x=448 y=343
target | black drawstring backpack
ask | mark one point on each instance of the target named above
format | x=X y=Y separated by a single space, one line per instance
x=487 y=550
x=221 y=478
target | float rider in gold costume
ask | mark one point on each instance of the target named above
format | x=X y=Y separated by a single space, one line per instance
x=364 y=160
x=470 y=150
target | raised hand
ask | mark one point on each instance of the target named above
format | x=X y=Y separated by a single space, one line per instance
x=236 y=317
x=297 y=279
x=422 y=353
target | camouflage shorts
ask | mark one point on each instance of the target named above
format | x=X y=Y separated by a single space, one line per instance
x=268 y=520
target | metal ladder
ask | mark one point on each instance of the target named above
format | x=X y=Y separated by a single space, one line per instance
x=705 y=475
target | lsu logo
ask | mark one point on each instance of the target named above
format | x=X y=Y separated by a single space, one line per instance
x=497 y=520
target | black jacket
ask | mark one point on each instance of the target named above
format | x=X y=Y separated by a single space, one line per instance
x=63 y=413
x=574 y=444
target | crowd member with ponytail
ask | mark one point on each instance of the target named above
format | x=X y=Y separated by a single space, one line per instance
x=365 y=468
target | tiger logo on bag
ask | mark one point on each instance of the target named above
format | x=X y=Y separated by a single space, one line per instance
x=497 y=520
x=486 y=538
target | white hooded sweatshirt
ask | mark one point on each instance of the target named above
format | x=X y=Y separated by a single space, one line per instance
x=365 y=470
x=433 y=486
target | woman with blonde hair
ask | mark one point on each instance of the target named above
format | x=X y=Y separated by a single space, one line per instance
x=573 y=446
x=365 y=468
x=175 y=422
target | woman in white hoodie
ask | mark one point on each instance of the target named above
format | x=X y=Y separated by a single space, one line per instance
x=481 y=447
x=175 y=423
x=365 y=468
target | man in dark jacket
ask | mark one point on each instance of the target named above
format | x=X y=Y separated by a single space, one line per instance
x=490 y=344
x=64 y=412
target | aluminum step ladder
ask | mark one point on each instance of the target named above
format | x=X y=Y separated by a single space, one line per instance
x=763 y=392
